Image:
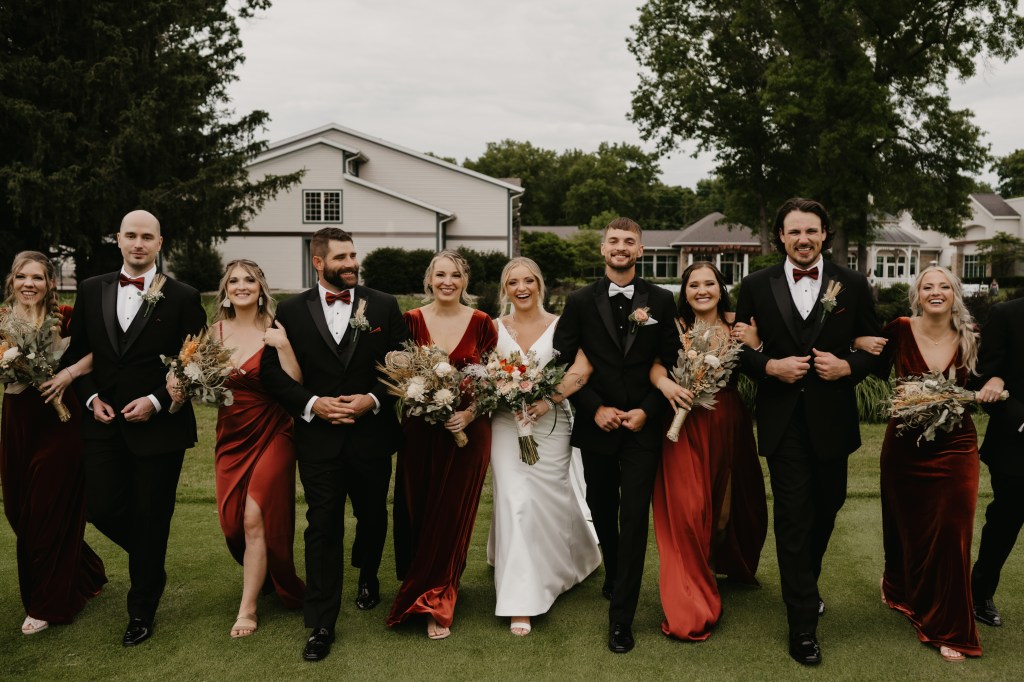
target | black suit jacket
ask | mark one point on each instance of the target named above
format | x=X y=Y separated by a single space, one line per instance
x=1001 y=355
x=830 y=407
x=122 y=373
x=332 y=369
x=621 y=375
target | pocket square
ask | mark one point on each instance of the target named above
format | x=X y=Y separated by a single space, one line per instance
x=840 y=311
x=375 y=330
x=649 y=321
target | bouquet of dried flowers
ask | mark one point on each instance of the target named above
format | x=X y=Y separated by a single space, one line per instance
x=705 y=363
x=30 y=354
x=201 y=368
x=514 y=381
x=930 y=402
x=426 y=384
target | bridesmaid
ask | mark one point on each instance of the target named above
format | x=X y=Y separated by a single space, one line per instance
x=710 y=511
x=41 y=468
x=255 y=456
x=930 y=489
x=437 y=483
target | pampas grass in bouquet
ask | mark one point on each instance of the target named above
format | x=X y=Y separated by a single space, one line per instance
x=201 y=368
x=705 y=363
x=426 y=384
x=929 y=403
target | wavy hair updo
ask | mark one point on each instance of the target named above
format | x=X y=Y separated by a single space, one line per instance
x=534 y=269
x=461 y=266
x=50 y=304
x=264 y=311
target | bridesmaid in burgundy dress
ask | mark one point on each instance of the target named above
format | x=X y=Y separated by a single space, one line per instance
x=255 y=456
x=441 y=482
x=930 y=489
x=41 y=468
x=710 y=511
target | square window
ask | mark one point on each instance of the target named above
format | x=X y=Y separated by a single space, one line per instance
x=321 y=206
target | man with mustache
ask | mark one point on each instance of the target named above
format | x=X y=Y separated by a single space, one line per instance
x=345 y=427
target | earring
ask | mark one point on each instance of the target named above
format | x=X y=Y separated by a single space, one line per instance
x=259 y=302
x=226 y=303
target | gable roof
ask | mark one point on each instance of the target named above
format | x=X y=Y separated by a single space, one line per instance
x=714 y=229
x=995 y=205
x=398 y=195
x=890 y=234
x=302 y=144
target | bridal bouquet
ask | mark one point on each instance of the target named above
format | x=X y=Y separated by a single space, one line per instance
x=930 y=402
x=514 y=381
x=706 y=360
x=30 y=355
x=201 y=368
x=426 y=384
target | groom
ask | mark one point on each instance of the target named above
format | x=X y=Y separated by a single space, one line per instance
x=345 y=427
x=622 y=324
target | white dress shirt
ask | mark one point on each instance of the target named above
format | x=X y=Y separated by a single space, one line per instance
x=805 y=292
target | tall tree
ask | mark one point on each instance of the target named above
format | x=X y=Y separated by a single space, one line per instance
x=109 y=106
x=846 y=101
x=1010 y=169
x=1002 y=251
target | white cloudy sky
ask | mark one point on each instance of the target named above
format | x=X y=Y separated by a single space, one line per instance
x=452 y=75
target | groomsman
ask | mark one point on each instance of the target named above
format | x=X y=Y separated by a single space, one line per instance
x=1000 y=359
x=807 y=420
x=621 y=323
x=345 y=427
x=134 y=447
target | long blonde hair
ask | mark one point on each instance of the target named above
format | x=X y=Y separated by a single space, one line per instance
x=50 y=305
x=461 y=265
x=961 y=319
x=264 y=310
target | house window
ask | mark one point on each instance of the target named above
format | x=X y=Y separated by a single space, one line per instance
x=913 y=266
x=851 y=261
x=879 y=266
x=731 y=266
x=664 y=265
x=974 y=266
x=320 y=206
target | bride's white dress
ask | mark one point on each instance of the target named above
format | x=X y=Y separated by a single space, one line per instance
x=540 y=542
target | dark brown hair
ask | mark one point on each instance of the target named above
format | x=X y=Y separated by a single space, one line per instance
x=318 y=244
x=804 y=206
x=623 y=223
x=683 y=308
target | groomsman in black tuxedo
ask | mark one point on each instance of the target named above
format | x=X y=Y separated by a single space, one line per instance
x=621 y=323
x=134 y=447
x=807 y=420
x=345 y=427
x=1001 y=360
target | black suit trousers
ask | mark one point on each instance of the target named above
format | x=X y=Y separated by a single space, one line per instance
x=808 y=492
x=1004 y=517
x=130 y=499
x=365 y=481
x=619 y=491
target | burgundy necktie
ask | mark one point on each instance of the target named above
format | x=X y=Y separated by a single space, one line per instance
x=345 y=296
x=798 y=274
x=136 y=282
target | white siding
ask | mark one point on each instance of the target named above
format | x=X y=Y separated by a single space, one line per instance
x=279 y=257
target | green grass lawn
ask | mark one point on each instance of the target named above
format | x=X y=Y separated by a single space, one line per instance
x=861 y=638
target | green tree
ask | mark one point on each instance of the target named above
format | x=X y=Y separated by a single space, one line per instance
x=585 y=247
x=843 y=101
x=536 y=168
x=551 y=253
x=110 y=106
x=1010 y=169
x=1002 y=251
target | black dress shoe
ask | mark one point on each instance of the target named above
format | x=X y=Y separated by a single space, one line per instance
x=608 y=589
x=368 y=595
x=804 y=649
x=821 y=608
x=620 y=639
x=985 y=611
x=138 y=631
x=318 y=645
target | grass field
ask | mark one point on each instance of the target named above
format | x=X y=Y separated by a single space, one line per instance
x=861 y=638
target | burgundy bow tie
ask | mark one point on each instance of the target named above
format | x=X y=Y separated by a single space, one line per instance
x=345 y=296
x=798 y=274
x=137 y=282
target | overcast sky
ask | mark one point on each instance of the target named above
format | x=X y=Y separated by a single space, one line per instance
x=448 y=77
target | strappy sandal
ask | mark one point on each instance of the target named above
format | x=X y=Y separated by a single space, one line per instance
x=520 y=629
x=435 y=631
x=245 y=621
x=951 y=655
x=33 y=625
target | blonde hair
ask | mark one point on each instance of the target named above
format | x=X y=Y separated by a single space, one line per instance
x=50 y=304
x=530 y=265
x=461 y=266
x=961 y=321
x=264 y=310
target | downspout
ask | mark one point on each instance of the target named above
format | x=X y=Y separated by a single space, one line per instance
x=513 y=229
x=442 y=239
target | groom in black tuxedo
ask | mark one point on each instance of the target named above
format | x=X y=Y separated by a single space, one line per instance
x=134 y=447
x=345 y=427
x=1000 y=358
x=807 y=419
x=618 y=425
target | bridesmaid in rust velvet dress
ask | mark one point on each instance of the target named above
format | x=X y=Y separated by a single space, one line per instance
x=710 y=511
x=930 y=489
x=41 y=468
x=255 y=455
x=441 y=482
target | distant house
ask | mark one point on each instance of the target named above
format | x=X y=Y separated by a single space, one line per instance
x=896 y=253
x=380 y=192
x=714 y=239
x=990 y=214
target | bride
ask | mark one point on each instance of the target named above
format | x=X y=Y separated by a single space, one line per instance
x=540 y=542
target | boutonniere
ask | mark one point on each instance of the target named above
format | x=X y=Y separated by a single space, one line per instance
x=359 y=321
x=641 y=317
x=154 y=293
x=828 y=301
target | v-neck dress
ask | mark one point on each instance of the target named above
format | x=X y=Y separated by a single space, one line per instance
x=440 y=486
x=929 y=494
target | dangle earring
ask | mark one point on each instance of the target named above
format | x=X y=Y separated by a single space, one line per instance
x=259 y=302
x=226 y=303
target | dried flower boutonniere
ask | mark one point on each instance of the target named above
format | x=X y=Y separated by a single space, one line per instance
x=154 y=293
x=641 y=317
x=828 y=301
x=359 y=321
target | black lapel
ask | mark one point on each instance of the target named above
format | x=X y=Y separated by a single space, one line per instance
x=827 y=270
x=640 y=294
x=784 y=300
x=139 y=322
x=351 y=336
x=108 y=305
x=604 y=309
x=316 y=311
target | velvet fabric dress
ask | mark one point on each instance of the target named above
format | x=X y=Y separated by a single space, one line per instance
x=710 y=514
x=441 y=485
x=44 y=500
x=255 y=457
x=929 y=493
